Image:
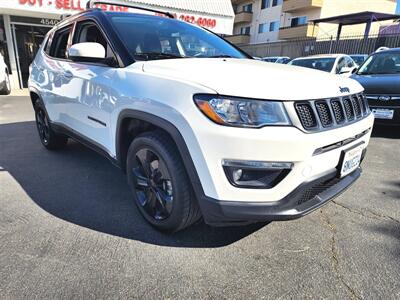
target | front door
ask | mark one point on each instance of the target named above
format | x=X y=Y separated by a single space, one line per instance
x=90 y=110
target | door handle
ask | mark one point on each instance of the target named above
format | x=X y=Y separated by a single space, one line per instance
x=68 y=74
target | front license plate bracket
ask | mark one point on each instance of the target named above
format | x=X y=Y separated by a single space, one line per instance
x=350 y=160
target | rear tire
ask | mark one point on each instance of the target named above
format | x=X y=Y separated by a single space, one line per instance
x=160 y=185
x=6 y=90
x=50 y=139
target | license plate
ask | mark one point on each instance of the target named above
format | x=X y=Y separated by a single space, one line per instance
x=381 y=113
x=351 y=160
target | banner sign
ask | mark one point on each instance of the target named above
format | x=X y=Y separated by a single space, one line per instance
x=222 y=25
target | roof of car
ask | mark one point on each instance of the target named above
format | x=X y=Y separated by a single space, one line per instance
x=98 y=11
x=275 y=57
x=320 y=56
x=334 y=55
x=389 y=50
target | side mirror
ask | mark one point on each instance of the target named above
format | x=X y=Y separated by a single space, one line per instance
x=90 y=52
x=355 y=69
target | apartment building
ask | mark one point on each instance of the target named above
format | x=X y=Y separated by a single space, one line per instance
x=256 y=21
x=261 y=21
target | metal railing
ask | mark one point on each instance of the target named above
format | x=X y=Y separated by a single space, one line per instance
x=355 y=44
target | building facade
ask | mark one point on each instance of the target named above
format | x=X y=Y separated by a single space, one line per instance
x=24 y=23
x=263 y=21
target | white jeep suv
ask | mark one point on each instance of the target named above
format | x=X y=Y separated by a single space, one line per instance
x=200 y=128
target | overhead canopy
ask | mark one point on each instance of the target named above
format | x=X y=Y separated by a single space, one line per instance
x=358 y=18
x=366 y=17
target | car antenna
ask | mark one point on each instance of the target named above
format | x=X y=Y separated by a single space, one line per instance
x=93 y=4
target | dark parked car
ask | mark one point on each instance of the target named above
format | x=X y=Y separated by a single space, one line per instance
x=380 y=76
x=359 y=58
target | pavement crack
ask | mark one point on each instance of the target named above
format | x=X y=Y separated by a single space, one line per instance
x=370 y=214
x=335 y=256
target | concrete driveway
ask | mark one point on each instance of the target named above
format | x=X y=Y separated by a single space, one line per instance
x=69 y=229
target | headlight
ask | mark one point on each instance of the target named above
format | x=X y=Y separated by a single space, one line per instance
x=242 y=112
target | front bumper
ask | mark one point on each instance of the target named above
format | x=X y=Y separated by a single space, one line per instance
x=271 y=144
x=303 y=200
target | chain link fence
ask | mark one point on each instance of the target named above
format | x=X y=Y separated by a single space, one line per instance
x=310 y=46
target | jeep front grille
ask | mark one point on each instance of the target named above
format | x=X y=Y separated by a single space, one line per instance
x=306 y=115
x=327 y=113
x=324 y=114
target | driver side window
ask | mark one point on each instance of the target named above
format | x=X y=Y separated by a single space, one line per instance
x=88 y=32
x=340 y=65
x=349 y=62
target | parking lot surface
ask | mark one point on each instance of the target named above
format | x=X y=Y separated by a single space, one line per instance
x=70 y=229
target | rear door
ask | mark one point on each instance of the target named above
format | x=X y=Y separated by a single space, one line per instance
x=56 y=82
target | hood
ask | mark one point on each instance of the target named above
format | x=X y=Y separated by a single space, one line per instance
x=253 y=78
x=379 y=84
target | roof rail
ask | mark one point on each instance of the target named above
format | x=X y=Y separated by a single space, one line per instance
x=92 y=4
x=64 y=16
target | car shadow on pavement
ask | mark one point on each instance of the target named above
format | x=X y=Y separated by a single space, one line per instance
x=84 y=188
x=390 y=132
x=393 y=189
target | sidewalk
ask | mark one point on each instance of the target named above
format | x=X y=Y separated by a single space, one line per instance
x=23 y=92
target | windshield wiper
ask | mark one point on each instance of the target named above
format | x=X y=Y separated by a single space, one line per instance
x=220 y=56
x=157 y=55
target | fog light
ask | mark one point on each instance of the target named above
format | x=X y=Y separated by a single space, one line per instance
x=255 y=174
x=237 y=174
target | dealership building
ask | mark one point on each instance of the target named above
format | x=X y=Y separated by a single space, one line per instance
x=24 y=23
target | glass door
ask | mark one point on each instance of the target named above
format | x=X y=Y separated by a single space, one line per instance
x=28 y=39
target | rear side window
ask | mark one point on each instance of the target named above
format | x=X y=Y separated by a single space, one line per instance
x=60 y=42
x=47 y=48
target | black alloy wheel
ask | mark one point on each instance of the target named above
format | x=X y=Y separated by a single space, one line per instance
x=43 y=126
x=50 y=139
x=154 y=190
x=159 y=182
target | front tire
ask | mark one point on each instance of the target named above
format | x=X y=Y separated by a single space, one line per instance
x=160 y=185
x=50 y=139
x=6 y=90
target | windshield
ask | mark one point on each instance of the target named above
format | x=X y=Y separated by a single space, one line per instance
x=323 y=64
x=359 y=59
x=381 y=63
x=149 y=38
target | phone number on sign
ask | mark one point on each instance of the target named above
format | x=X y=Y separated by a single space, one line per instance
x=204 y=22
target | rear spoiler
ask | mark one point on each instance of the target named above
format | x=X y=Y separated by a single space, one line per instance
x=93 y=4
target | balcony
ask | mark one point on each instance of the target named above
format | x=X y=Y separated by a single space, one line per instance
x=239 y=39
x=298 y=5
x=243 y=17
x=236 y=2
x=298 y=32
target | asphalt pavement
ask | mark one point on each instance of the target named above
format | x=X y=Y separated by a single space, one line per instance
x=70 y=230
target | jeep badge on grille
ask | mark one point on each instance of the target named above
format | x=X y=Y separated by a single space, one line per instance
x=344 y=89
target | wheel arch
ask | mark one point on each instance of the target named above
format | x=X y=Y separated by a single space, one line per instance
x=123 y=141
x=35 y=97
